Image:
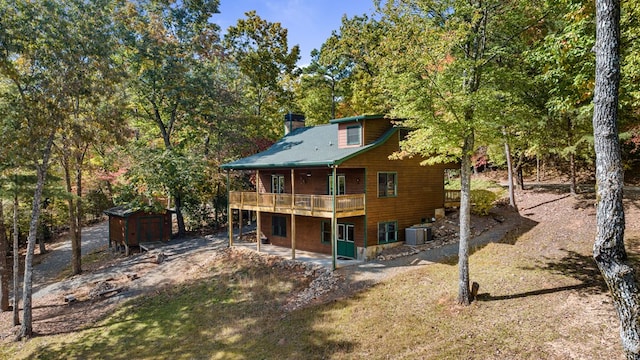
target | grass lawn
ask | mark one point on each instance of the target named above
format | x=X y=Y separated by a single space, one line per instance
x=540 y=297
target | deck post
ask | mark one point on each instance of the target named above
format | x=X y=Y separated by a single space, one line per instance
x=258 y=222
x=229 y=213
x=334 y=225
x=293 y=216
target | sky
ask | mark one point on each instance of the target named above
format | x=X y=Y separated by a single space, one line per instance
x=309 y=22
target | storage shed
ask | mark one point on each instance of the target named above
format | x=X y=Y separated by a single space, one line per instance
x=129 y=227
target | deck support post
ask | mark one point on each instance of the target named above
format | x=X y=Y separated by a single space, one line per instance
x=334 y=225
x=229 y=213
x=258 y=222
x=293 y=216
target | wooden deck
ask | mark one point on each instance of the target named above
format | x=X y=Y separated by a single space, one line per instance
x=299 y=204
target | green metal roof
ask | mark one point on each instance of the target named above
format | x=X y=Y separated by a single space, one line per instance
x=356 y=118
x=306 y=147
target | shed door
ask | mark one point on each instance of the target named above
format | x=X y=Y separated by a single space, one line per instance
x=150 y=229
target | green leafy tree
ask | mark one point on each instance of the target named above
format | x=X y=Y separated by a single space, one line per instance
x=261 y=51
x=46 y=56
x=164 y=41
x=608 y=249
x=168 y=172
x=439 y=79
x=352 y=56
x=221 y=134
x=565 y=60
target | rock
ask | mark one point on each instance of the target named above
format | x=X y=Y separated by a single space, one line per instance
x=160 y=258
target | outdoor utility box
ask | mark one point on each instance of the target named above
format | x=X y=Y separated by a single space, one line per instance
x=417 y=235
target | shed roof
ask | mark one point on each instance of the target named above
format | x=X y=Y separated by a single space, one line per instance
x=128 y=210
x=121 y=211
x=306 y=147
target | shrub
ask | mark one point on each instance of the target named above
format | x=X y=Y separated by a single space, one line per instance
x=482 y=201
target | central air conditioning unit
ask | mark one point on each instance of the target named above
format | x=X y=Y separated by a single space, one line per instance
x=417 y=235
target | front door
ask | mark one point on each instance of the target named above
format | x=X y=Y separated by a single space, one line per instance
x=346 y=244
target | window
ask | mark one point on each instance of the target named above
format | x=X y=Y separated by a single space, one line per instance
x=345 y=232
x=387 y=232
x=342 y=185
x=279 y=226
x=277 y=184
x=387 y=184
x=354 y=133
x=326 y=232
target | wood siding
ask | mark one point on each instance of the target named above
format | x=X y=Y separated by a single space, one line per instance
x=313 y=181
x=139 y=227
x=342 y=134
x=420 y=189
x=374 y=129
x=309 y=232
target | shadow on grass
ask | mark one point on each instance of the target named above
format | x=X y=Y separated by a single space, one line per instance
x=547 y=202
x=575 y=265
x=236 y=313
x=369 y=274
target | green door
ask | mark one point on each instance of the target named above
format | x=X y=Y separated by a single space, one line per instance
x=346 y=244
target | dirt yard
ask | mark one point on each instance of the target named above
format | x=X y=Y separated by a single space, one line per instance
x=562 y=224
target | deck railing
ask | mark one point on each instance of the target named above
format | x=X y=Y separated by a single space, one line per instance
x=451 y=196
x=299 y=203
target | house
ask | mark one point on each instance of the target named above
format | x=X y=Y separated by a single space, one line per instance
x=337 y=179
x=129 y=227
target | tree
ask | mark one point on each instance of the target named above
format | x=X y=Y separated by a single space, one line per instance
x=565 y=62
x=47 y=55
x=441 y=83
x=4 y=266
x=261 y=52
x=352 y=57
x=608 y=249
x=163 y=42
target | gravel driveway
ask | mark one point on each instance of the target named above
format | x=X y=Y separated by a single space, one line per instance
x=59 y=256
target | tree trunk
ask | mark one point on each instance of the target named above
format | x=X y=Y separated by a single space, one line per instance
x=181 y=228
x=507 y=153
x=4 y=265
x=76 y=235
x=537 y=168
x=465 y=221
x=572 y=165
x=71 y=206
x=16 y=260
x=608 y=250
x=26 y=329
x=40 y=236
x=572 y=158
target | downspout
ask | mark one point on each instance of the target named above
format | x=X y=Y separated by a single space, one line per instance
x=366 y=225
x=334 y=232
x=258 y=215
x=293 y=216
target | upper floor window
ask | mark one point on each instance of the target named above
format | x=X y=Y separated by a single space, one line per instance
x=277 y=184
x=387 y=184
x=342 y=185
x=354 y=135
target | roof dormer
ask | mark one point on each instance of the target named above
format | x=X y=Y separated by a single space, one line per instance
x=358 y=131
